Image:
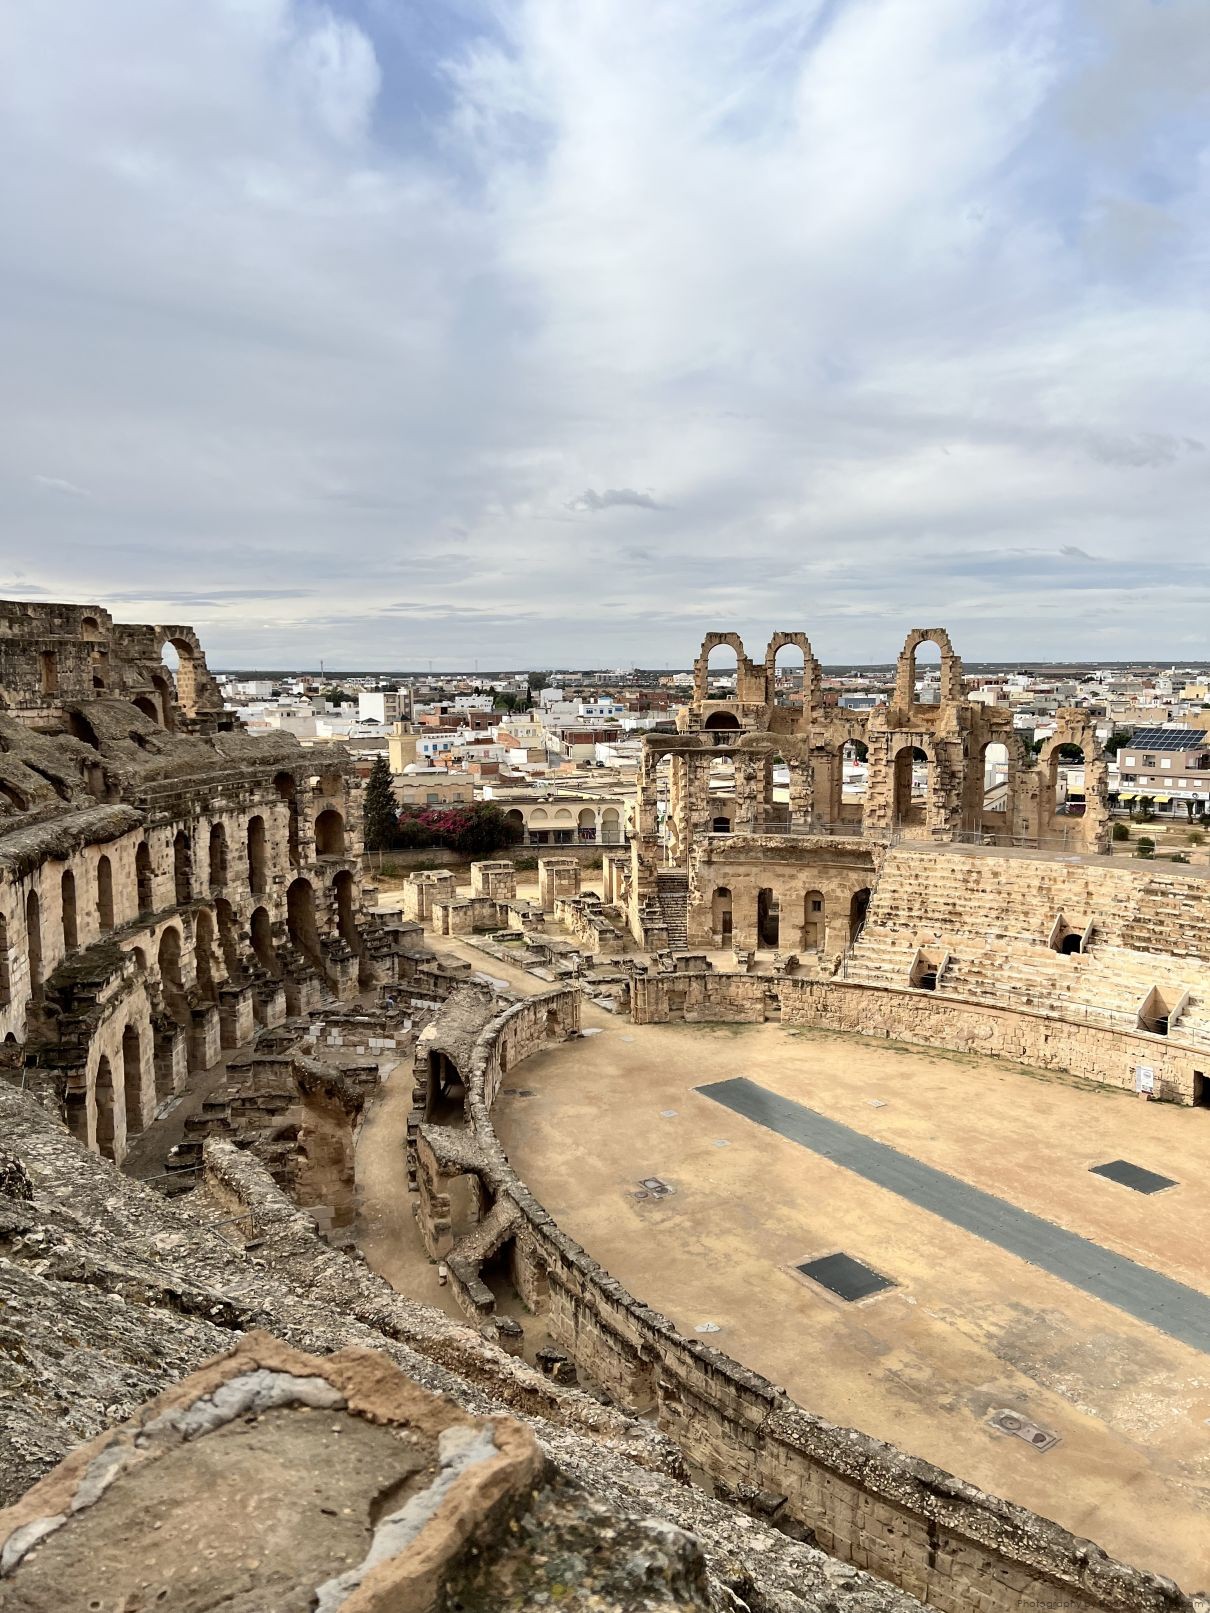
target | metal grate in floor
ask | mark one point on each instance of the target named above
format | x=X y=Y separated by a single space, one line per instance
x=842 y=1275
x=1134 y=1176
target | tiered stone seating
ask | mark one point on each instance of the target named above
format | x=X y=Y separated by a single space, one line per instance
x=994 y=915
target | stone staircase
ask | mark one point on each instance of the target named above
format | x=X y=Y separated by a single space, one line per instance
x=672 y=890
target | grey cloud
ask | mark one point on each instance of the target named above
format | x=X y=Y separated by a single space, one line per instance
x=612 y=497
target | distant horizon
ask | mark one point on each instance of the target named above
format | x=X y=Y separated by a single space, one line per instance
x=968 y=666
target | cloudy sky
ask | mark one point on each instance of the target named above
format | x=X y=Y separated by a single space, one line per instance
x=544 y=332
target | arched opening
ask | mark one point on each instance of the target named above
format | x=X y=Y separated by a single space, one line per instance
x=722 y=672
x=721 y=825
x=228 y=944
x=812 y=921
x=203 y=951
x=768 y=918
x=67 y=899
x=515 y=819
x=171 y=980
x=300 y=918
x=180 y=664
x=721 y=917
x=1063 y=796
x=48 y=672
x=926 y=674
x=218 y=856
x=103 y=1088
x=611 y=827
x=104 y=894
x=90 y=627
x=262 y=942
x=256 y=856
x=165 y=699
x=80 y=728
x=1071 y=944
x=911 y=785
x=132 y=1078
x=144 y=884
x=287 y=791
x=586 y=824
x=33 y=944
x=6 y=990
x=329 y=834
x=346 y=920
x=147 y=706
x=789 y=675
x=182 y=867
x=859 y=906
x=721 y=722
x=445 y=1101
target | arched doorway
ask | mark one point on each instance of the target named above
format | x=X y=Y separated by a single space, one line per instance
x=132 y=1078
x=143 y=880
x=721 y=915
x=586 y=825
x=182 y=868
x=911 y=785
x=33 y=944
x=859 y=904
x=227 y=941
x=103 y=1089
x=768 y=918
x=147 y=706
x=67 y=902
x=218 y=856
x=203 y=951
x=300 y=919
x=171 y=981
x=329 y=834
x=611 y=827
x=104 y=894
x=261 y=930
x=287 y=790
x=257 y=882
x=789 y=675
x=445 y=1101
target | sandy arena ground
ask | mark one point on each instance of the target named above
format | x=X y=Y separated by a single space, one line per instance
x=967 y=1330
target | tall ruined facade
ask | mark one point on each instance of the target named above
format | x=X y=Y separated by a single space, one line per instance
x=745 y=868
x=167 y=882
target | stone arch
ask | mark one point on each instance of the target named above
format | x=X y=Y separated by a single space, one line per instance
x=218 y=856
x=172 y=982
x=104 y=894
x=257 y=870
x=906 y=807
x=33 y=944
x=611 y=827
x=721 y=722
x=301 y=924
x=90 y=627
x=203 y=952
x=132 y=1078
x=188 y=673
x=809 y=699
x=104 y=1100
x=330 y=833
x=701 y=667
x=722 y=916
x=859 y=906
x=182 y=868
x=1087 y=829
x=515 y=818
x=586 y=824
x=261 y=931
x=79 y=727
x=67 y=908
x=164 y=694
x=768 y=918
x=287 y=790
x=145 y=704
x=144 y=881
x=952 y=687
x=813 y=921
x=228 y=944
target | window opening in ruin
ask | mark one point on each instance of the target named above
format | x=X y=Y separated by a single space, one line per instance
x=329 y=834
x=346 y=920
x=926 y=674
x=911 y=784
x=147 y=706
x=67 y=900
x=33 y=943
x=1201 y=1090
x=256 y=855
x=789 y=676
x=171 y=980
x=287 y=790
x=721 y=826
x=203 y=951
x=446 y=1098
x=262 y=941
x=132 y=1077
x=182 y=867
x=768 y=918
x=144 y=884
x=218 y=856
x=6 y=993
x=300 y=919
x=859 y=905
x=992 y=768
x=80 y=728
x=721 y=918
x=842 y=1275
x=48 y=672
x=89 y=627
x=164 y=695
x=104 y=894
x=1064 y=786
x=103 y=1089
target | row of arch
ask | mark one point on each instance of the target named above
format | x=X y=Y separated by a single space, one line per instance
x=799 y=927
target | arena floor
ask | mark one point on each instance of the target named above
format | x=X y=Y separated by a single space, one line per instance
x=968 y=1329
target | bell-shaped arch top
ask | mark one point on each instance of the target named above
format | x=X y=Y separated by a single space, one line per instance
x=952 y=686
x=701 y=675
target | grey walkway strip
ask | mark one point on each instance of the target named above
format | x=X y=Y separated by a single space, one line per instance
x=1181 y=1312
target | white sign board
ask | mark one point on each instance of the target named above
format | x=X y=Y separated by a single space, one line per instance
x=1144 y=1079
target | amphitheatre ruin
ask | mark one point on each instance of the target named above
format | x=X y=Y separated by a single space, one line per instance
x=778 y=1215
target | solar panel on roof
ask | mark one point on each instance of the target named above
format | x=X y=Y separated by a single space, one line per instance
x=1170 y=739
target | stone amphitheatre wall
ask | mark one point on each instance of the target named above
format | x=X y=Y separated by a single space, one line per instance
x=904 y=1520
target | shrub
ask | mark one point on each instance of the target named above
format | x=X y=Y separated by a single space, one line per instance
x=1196 y=837
x=1121 y=831
x=475 y=831
x=1146 y=847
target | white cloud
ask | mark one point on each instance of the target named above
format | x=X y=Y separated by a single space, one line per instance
x=873 y=294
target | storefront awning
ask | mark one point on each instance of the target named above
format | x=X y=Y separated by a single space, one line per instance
x=1163 y=799
x=1126 y=795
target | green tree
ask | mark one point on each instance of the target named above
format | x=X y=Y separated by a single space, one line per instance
x=336 y=696
x=536 y=681
x=485 y=829
x=1119 y=737
x=381 y=813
